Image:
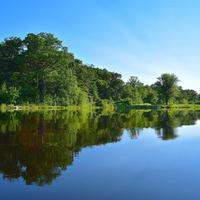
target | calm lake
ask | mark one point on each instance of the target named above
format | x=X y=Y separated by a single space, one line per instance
x=142 y=155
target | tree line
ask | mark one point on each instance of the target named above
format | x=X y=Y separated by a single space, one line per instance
x=40 y=70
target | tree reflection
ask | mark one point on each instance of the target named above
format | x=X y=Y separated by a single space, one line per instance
x=38 y=146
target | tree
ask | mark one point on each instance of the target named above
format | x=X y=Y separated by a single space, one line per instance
x=109 y=84
x=62 y=88
x=150 y=96
x=9 y=95
x=10 y=52
x=134 y=90
x=190 y=95
x=167 y=87
x=42 y=54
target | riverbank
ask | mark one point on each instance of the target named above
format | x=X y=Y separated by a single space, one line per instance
x=33 y=107
x=89 y=107
x=121 y=107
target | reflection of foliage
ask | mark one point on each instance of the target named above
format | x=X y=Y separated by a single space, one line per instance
x=164 y=122
x=38 y=146
x=35 y=165
x=168 y=121
x=166 y=126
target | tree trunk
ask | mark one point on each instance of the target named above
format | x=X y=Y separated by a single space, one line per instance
x=42 y=89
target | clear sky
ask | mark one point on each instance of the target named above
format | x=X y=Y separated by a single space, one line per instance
x=142 y=38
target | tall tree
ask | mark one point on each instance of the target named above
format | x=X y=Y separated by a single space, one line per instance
x=10 y=51
x=167 y=87
x=134 y=90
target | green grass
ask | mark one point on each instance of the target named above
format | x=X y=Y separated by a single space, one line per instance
x=182 y=106
x=122 y=107
x=33 y=107
x=119 y=107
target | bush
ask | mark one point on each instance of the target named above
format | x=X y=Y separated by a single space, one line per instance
x=9 y=95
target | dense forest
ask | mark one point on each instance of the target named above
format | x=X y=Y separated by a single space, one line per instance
x=40 y=70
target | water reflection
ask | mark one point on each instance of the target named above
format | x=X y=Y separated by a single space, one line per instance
x=38 y=146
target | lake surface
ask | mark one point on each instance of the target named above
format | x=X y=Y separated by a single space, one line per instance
x=77 y=155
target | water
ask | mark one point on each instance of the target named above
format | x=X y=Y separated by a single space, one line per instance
x=73 y=155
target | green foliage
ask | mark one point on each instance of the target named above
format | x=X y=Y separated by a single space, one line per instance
x=39 y=70
x=47 y=73
x=8 y=95
x=167 y=87
x=108 y=106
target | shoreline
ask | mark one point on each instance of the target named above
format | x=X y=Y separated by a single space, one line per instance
x=117 y=107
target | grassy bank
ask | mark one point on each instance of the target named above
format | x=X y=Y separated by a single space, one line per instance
x=119 y=107
x=32 y=107
x=123 y=107
x=182 y=106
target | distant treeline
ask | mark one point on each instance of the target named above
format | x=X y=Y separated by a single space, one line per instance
x=40 y=70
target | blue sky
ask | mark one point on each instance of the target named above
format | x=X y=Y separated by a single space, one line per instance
x=142 y=38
